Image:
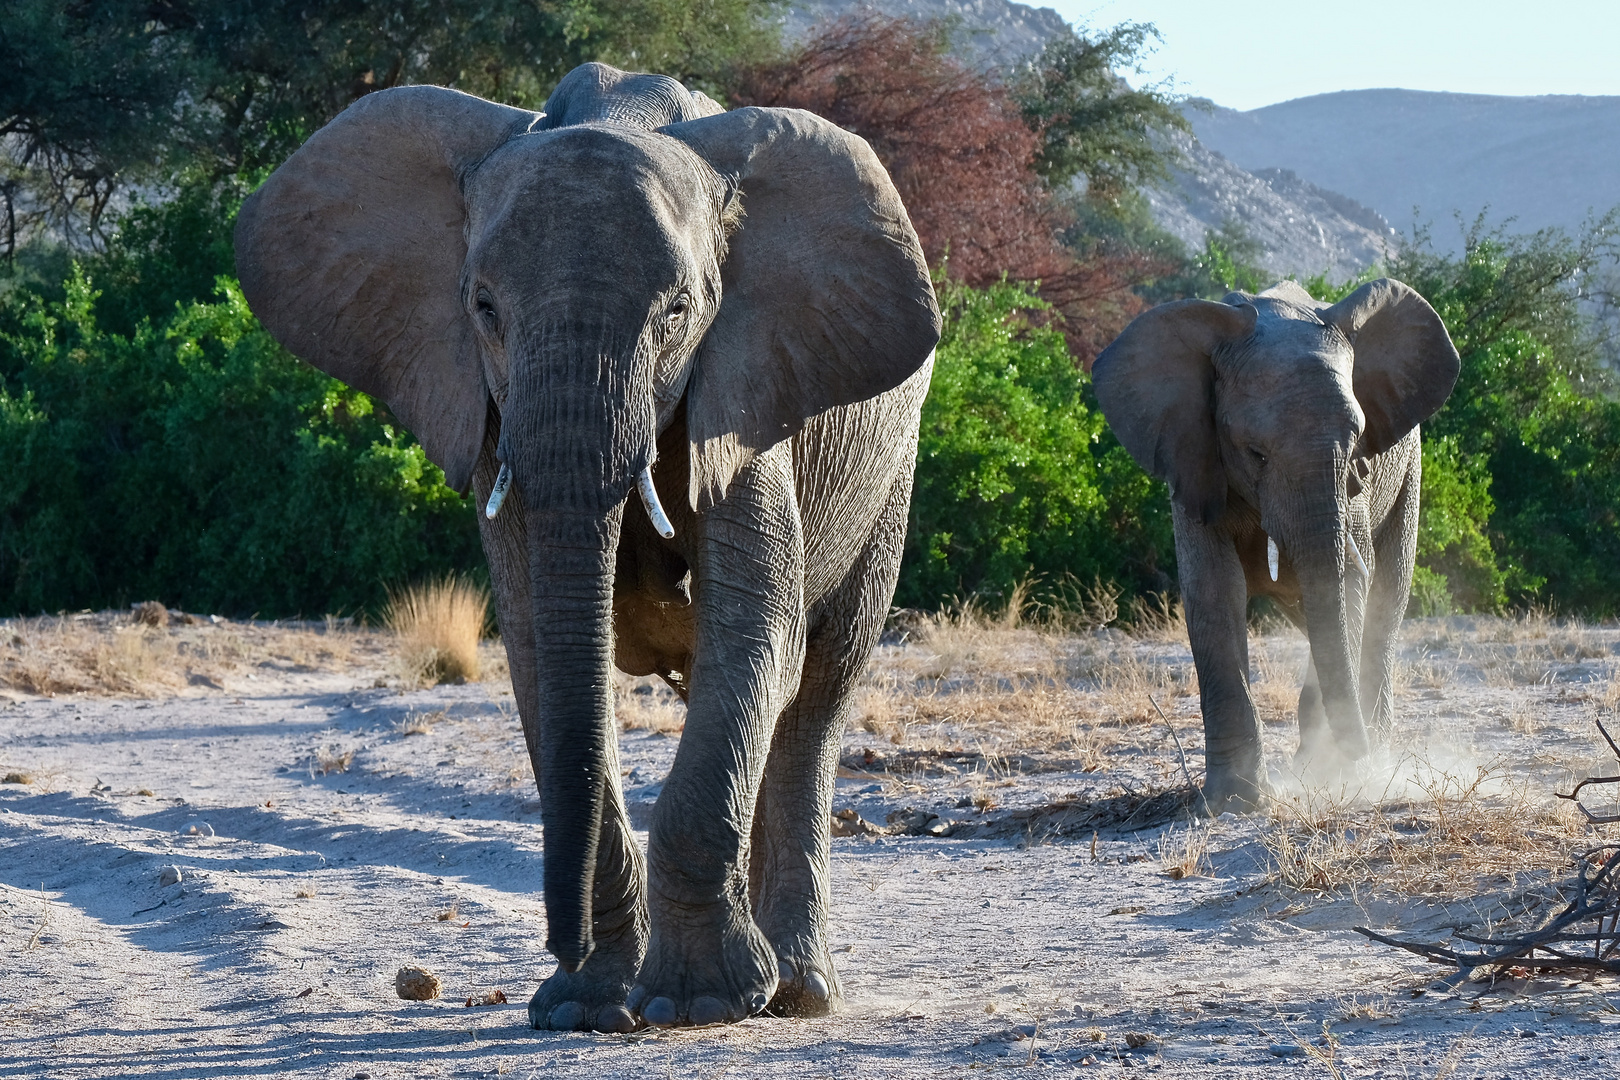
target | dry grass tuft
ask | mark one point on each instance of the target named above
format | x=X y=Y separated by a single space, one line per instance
x=305 y=892
x=1185 y=854
x=1463 y=829
x=648 y=704
x=329 y=759
x=421 y=723
x=439 y=624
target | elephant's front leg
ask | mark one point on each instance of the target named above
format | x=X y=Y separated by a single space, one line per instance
x=707 y=962
x=1215 y=596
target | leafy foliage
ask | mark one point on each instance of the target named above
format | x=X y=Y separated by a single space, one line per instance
x=965 y=157
x=1018 y=475
x=1092 y=124
x=114 y=90
x=195 y=460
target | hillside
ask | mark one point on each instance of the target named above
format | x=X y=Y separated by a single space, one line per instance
x=1539 y=160
x=1299 y=226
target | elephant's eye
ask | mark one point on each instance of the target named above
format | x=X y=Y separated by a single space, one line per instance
x=486 y=308
x=1258 y=456
x=677 y=310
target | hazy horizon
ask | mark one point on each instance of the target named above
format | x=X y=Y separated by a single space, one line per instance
x=1447 y=46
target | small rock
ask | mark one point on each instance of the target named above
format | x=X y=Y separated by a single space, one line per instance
x=198 y=828
x=1287 y=1050
x=417 y=984
x=169 y=875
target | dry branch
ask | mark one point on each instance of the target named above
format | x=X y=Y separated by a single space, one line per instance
x=1590 y=921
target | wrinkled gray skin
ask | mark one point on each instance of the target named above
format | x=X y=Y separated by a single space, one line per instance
x=1278 y=415
x=635 y=277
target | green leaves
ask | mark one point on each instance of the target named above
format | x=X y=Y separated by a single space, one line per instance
x=1017 y=473
x=196 y=461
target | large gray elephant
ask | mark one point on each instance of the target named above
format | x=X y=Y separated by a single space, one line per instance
x=636 y=289
x=1287 y=430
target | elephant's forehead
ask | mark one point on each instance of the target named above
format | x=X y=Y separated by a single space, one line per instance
x=594 y=163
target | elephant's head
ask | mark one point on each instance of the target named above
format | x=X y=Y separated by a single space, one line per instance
x=440 y=252
x=1278 y=400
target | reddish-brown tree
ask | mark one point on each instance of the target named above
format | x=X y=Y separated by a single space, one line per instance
x=961 y=157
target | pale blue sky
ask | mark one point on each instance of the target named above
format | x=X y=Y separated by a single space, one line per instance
x=1248 y=55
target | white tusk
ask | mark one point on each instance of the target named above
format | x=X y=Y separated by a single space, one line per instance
x=655 y=509
x=497 y=495
x=1271 y=557
x=1361 y=564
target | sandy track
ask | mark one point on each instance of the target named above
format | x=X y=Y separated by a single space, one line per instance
x=953 y=951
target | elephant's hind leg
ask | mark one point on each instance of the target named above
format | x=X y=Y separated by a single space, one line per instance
x=791 y=849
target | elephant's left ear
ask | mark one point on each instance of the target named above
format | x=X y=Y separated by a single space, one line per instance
x=1406 y=364
x=826 y=295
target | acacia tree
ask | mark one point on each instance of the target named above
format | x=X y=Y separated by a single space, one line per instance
x=966 y=154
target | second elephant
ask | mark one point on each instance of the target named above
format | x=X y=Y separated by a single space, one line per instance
x=1287 y=431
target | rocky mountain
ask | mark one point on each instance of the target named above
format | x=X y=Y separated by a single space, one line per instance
x=1300 y=228
x=1538 y=160
x=997 y=32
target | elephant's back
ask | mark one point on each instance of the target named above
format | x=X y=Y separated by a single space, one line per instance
x=846 y=464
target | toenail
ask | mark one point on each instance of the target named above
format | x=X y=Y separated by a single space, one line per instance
x=568 y=1016
x=615 y=1019
x=638 y=994
x=785 y=972
x=707 y=1010
x=816 y=986
x=660 y=1012
x=757 y=1003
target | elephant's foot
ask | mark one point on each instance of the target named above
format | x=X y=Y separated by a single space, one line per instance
x=592 y=998
x=806 y=984
x=704 y=967
x=1230 y=792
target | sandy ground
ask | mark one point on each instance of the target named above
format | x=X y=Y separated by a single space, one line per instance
x=1021 y=917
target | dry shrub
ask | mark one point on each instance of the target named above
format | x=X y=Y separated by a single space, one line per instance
x=438 y=625
x=961 y=157
x=1461 y=829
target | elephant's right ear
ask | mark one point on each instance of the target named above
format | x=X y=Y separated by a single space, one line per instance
x=1155 y=384
x=351 y=255
x=826 y=297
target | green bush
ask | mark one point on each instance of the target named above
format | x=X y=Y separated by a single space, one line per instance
x=194 y=460
x=1018 y=476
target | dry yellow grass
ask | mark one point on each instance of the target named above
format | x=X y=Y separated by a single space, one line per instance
x=1184 y=853
x=1458 y=831
x=648 y=704
x=134 y=653
x=331 y=759
x=438 y=624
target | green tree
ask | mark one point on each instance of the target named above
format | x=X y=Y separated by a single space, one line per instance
x=1092 y=123
x=1018 y=475
x=119 y=90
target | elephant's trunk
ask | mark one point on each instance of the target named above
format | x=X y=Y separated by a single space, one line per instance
x=578 y=428
x=1321 y=558
x=571 y=557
